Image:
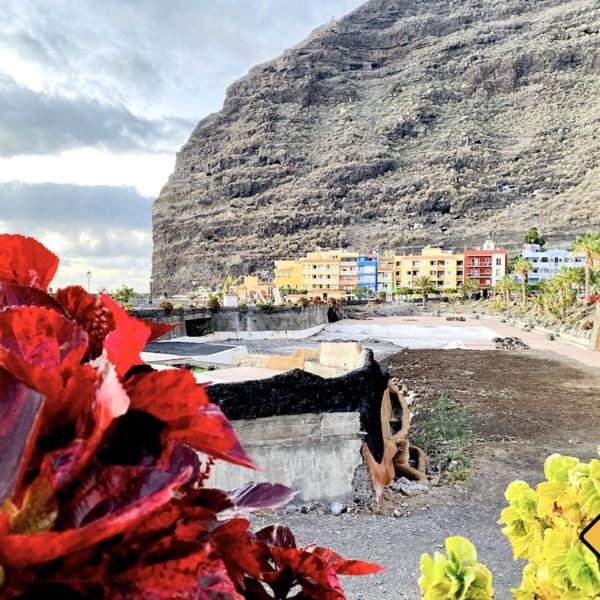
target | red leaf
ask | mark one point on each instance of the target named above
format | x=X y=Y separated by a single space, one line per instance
x=152 y=490
x=277 y=535
x=167 y=395
x=210 y=432
x=260 y=496
x=236 y=550
x=317 y=579
x=124 y=344
x=174 y=397
x=23 y=295
x=201 y=576
x=158 y=329
x=20 y=410
x=97 y=401
x=95 y=318
x=107 y=491
x=343 y=566
x=36 y=342
x=24 y=261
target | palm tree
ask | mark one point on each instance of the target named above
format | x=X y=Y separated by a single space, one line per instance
x=522 y=266
x=589 y=245
x=505 y=286
x=468 y=287
x=424 y=285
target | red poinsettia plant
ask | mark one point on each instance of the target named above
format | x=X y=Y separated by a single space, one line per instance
x=104 y=461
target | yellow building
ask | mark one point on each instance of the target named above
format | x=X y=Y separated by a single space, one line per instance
x=446 y=270
x=251 y=286
x=321 y=274
x=288 y=274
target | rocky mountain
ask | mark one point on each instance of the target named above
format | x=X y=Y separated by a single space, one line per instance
x=406 y=122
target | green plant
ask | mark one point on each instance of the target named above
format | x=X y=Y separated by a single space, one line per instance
x=303 y=302
x=242 y=305
x=533 y=236
x=123 y=294
x=178 y=306
x=266 y=306
x=424 y=285
x=444 y=433
x=543 y=527
x=457 y=576
x=589 y=245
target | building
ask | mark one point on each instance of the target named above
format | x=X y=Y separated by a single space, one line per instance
x=445 y=269
x=486 y=265
x=349 y=271
x=288 y=274
x=386 y=275
x=252 y=286
x=367 y=272
x=321 y=274
x=547 y=263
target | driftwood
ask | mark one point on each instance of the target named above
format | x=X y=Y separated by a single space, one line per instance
x=400 y=459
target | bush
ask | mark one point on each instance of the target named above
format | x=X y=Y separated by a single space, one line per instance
x=213 y=303
x=267 y=307
x=444 y=433
x=166 y=306
x=543 y=527
x=457 y=576
x=317 y=300
x=103 y=492
x=178 y=306
x=303 y=302
x=242 y=305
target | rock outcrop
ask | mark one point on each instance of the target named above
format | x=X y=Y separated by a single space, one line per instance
x=406 y=122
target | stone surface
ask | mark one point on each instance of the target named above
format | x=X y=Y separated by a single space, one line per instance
x=406 y=122
x=299 y=392
x=315 y=454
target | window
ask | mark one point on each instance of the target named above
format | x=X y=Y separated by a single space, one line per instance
x=498 y=261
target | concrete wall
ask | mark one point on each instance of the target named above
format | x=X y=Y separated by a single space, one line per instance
x=232 y=323
x=315 y=454
x=251 y=320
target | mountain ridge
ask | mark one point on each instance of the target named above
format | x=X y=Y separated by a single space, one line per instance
x=400 y=124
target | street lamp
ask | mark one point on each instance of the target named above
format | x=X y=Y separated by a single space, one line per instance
x=89 y=276
x=150 y=301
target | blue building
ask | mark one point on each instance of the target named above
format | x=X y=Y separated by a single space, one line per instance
x=367 y=272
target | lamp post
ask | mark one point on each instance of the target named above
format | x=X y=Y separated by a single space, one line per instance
x=89 y=276
x=150 y=301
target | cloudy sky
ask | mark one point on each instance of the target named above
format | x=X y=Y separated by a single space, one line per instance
x=96 y=98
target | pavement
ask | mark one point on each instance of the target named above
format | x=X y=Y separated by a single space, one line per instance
x=185 y=348
x=436 y=332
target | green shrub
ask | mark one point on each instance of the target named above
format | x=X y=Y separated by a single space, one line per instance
x=543 y=527
x=457 y=576
x=444 y=433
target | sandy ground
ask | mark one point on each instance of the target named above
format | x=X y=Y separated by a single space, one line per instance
x=524 y=406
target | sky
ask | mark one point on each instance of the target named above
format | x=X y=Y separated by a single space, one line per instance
x=97 y=97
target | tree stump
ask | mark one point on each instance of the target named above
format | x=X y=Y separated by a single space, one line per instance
x=400 y=459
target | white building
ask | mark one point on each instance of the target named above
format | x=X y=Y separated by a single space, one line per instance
x=546 y=264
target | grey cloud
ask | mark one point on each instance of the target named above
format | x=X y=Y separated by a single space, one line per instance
x=37 y=123
x=176 y=57
x=111 y=215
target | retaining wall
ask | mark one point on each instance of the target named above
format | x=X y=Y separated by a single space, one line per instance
x=233 y=323
x=315 y=454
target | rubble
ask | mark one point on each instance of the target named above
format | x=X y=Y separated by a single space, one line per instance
x=510 y=343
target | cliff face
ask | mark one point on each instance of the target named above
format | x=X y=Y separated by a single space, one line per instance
x=406 y=122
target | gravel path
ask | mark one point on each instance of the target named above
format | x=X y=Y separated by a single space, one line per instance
x=398 y=543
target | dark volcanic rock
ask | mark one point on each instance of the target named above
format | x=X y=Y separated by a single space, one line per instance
x=406 y=122
x=298 y=392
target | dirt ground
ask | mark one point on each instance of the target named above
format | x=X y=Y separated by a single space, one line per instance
x=524 y=406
